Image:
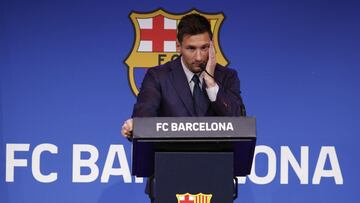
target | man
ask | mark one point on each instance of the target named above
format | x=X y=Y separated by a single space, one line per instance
x=191 y=85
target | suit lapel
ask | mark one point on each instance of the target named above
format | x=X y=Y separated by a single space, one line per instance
x=179 y=81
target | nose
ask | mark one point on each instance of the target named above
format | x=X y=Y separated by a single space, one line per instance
x=198 y=55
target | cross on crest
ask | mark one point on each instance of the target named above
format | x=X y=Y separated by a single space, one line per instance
x=155 y=41
x=187 y=199
x=157 y=34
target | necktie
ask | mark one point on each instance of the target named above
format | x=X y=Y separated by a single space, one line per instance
x=200 y=103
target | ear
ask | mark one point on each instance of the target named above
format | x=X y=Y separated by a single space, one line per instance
x=178 y=46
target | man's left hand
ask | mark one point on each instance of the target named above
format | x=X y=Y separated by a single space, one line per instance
x=210 y=67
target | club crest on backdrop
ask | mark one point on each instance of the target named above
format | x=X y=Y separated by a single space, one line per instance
x=155 y=41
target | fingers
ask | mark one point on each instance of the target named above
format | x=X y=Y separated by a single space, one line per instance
x=210 y=67
x=211 y=63
x=212 y=53
x=212 y=58
x=129 y=122
x=127 y=127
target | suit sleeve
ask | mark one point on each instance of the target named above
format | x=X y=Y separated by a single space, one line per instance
x=149 y=98
x=228 y=100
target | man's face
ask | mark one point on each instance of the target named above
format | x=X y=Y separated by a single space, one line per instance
x=194 y=50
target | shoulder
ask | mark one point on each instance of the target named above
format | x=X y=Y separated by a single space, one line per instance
x=224 y=71
x=164 y=69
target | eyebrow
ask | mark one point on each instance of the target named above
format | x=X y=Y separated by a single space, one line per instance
x=194 y=47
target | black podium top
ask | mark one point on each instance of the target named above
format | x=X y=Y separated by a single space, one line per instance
x=193 y=134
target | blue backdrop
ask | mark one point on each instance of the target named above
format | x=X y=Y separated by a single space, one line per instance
x=65 y=93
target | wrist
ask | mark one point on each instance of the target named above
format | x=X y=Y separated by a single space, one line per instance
x=210 y=82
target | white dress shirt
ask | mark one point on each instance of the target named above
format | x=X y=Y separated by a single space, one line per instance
x=211 y=91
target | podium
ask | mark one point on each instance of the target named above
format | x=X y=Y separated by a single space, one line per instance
x=193 y=159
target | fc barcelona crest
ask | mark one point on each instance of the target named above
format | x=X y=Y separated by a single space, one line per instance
x=189 y=198
x=155 y=41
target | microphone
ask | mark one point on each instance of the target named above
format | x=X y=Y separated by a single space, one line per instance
x=203 y=66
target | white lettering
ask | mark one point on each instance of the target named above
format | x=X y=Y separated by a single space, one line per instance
x=302 y=170
x=181 y=127
x=188 y=126
x=85 y=157
x=173 y=127
x=320 y=171
x=36 y=163
x=79 y=163
x=202 y=126
x=214 y=127
x=196 y=126
x=11 y=162
x=162 y=126
x=271 y=166
x=230 y=127
x=116 y=150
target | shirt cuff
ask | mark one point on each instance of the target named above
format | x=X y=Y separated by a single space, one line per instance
x=212 y=92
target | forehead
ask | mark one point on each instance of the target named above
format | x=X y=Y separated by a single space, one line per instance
x=196 y=40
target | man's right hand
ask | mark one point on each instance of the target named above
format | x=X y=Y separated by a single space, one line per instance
x=127 y=127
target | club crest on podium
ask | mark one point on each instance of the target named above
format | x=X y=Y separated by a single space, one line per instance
x=190 y=198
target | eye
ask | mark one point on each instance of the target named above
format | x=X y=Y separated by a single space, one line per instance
x=192 y=49
x=204 y=48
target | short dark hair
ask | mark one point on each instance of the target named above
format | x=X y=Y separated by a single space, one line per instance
x=193 y=24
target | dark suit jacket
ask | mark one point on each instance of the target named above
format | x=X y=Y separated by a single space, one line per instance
x=165 y=92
